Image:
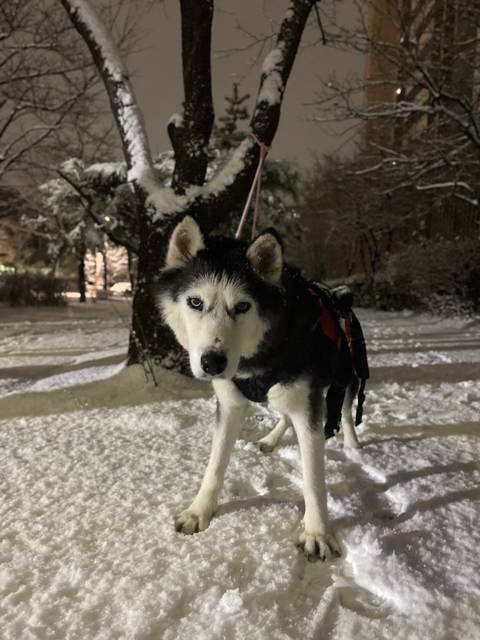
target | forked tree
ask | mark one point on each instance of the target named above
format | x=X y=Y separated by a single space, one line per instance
x=158 y=207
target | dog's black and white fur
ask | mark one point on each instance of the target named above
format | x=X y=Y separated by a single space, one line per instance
x=250 y=325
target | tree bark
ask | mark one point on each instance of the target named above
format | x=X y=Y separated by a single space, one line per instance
x=103 y=251
x=190 y=134
x=82 y=285
x=54 y=262
x=131 y=269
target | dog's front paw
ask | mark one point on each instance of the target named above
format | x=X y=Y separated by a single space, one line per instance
x=192 y=520
x=318 y=546
x=351 y=442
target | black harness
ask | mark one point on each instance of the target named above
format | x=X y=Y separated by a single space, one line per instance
x=334 y=306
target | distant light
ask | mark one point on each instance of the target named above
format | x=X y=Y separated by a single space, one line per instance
x=399 y=91
x=107 y=218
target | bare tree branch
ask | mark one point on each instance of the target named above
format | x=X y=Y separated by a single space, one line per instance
x=419 y=98
x=44 y=82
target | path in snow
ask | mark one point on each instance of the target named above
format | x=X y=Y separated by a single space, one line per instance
x=87 y=545
x=47 y=348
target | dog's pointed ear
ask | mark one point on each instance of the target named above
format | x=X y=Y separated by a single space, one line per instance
x=185 y=242
x=265 y=255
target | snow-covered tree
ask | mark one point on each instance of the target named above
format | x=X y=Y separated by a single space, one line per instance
x=64 y=223
x=158 y=207
x=107 y=200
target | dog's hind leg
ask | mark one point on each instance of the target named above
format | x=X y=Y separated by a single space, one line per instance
x=268 y=443
x=304 y=404
x=230 y=414
x=350 y=439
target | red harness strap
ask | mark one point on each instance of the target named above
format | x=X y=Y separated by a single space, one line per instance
x=329 y=326
x=326 y=320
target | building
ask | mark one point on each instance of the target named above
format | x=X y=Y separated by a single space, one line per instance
x=422 y=51
x=410 y=42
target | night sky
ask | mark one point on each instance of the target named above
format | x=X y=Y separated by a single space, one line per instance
x=158 y=79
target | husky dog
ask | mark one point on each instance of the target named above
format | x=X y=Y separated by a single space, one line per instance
x=249 y=324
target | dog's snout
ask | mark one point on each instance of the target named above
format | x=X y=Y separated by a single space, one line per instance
x=214 y=362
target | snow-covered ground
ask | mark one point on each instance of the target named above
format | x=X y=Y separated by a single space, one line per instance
x=91 y=477
x=53 y=348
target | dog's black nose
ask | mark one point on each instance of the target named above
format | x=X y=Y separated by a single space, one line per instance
x=213 y=362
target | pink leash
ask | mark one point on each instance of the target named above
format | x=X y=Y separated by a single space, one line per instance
x=256 y=184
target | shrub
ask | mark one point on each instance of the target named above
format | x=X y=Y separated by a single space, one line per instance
x=32 y=289
x=440 y=276
x=382 y=296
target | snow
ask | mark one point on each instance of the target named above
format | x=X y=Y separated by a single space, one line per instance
x=272 y=87
x=226 y=175
x=129 y=114
x=272 y=60
x=92 y=475
x=176 y=119
x=67 y=342
x=136 y=139
x=62 y=380
x=110 y=52
x=166 y=201
x=107 y=170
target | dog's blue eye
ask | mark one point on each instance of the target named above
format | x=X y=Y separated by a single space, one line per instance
x=195 y=303
x=242 y=307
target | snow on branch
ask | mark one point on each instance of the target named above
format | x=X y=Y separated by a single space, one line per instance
x=108 y=60
x=276 y=70
x=272 y=88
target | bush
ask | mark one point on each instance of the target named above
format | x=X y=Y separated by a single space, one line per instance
x=383 y=296
x=442 y=277
x=31 y=289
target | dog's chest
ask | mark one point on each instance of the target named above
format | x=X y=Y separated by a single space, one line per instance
x=255 y=388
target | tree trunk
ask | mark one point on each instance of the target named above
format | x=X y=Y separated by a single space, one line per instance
x=82 y=287
x=150 y=339
x=105 y=267
x=53 y=265
x=131 y=269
